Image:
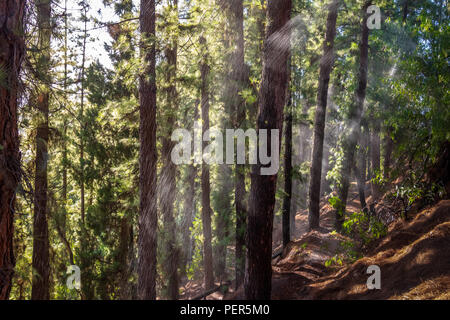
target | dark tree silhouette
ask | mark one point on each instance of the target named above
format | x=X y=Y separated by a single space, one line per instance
x=41 y=264
x=258 y=273
x=11 y=54
x=326 y=65
x=148 y=220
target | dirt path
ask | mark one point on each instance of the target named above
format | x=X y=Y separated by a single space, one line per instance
x=413 y=258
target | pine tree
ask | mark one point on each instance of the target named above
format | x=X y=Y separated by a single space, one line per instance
x=258 y=271
x=326 y=65
x=147 y=243
x=11 y=56
x=41 y=263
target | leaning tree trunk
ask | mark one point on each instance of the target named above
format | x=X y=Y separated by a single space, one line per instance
x=258 y=273
x=40 y=261
x=355 y=118
x=168 y=172
x=12 y=48
x=326 y=65
x=206 y=187
x=148 y=220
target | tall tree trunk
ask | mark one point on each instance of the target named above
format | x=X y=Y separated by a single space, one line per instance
x=258 y=273
x=189 y=206
x=82 y=123
x=324 y=183
x=326 y=65
x=87 y=289
x=355 y=117
x=148 y=220
x=237 y=81
x=168 y=172
x=66 y=63
x=241 y=74
x=287 y=175
x=12 y=48
x=360 y=167
x=206 y=187
x=40 y=261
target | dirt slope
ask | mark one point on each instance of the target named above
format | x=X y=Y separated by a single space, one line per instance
x=414 y=259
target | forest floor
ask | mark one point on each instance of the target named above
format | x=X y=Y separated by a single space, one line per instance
x=413 y=259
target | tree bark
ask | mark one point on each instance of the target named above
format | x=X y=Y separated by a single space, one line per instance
x=355 y=117
x=40 y=261
x=237 y=80
x=168 y=172
x=148 y=220
x=240 y=75
x=206 y=187
x=326 y=65
x=286 y=218
x=12 y=48
x=258 y=271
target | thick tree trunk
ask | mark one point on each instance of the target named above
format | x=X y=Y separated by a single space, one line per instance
x=326 y=65
x=168 y=172
x=40 y=261
x=258 y=273
x=206 y=187
x=12 y=50
x=148 y=220
x=355 y=117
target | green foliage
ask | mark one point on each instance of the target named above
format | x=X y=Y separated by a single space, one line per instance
x=363 y=227
x=337 y=204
